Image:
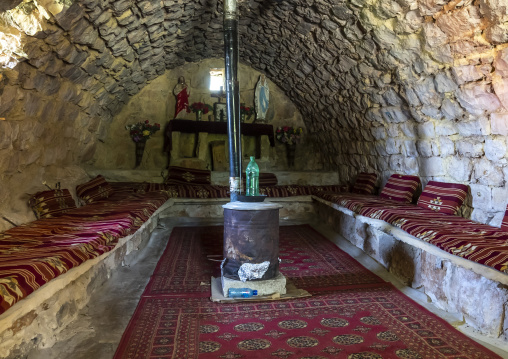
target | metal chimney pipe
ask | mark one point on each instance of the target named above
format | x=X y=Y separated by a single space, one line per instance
x=232 y=96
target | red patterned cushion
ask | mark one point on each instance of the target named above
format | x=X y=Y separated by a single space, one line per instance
x=193 y=191
x=285 y=191
x=129 y=187
x=330 y=188
x=504 y=224
x=34 y=253
x=53 y=203
x=400 y=188
x=443 y=197
x=365 y=183
x=94 y=190
x=265 y=179
x=182 y=175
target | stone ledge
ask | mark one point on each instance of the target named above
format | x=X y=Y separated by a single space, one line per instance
x=297 y=207
x=34 y=321
x=452 y=283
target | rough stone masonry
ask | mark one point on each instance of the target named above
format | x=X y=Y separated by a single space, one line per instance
x=416 y=87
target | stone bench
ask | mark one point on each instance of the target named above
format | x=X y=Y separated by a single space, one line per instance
x=451 y=283
x=35 y=320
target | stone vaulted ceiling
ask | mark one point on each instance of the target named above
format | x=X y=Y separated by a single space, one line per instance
x=409 y=86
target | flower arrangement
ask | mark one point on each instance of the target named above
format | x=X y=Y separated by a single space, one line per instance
x=247 y=111
x=199 y=106
x=141 y=131
x=289 y=135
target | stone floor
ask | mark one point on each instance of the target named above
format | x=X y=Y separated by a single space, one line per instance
x=100 y=326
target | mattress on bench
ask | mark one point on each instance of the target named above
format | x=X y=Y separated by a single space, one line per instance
x=217 y=191
x=459 y=236
x=32 y=254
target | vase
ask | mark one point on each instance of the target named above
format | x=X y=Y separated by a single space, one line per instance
x=140 y=150
x=199 y=115
x=290 y=151
x=242 y=117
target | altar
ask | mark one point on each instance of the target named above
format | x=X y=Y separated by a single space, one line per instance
x=201 y=144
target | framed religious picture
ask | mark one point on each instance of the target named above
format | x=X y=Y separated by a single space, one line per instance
x=220 y=112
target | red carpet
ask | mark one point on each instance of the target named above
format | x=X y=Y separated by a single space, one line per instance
x=352 y=314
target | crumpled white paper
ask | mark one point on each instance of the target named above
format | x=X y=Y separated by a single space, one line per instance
x=250 y=271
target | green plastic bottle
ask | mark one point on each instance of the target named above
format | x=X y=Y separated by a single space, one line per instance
x=252 y=178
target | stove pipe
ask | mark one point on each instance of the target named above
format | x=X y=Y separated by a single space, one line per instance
x=232 y=96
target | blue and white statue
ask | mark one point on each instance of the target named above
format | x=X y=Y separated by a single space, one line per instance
x=261 y=100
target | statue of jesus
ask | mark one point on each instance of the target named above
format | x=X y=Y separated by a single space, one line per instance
x=182 y=96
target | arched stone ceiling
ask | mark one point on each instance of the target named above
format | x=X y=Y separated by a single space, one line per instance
x=393 y=86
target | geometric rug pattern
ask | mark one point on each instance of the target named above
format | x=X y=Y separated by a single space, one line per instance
x=352 y=313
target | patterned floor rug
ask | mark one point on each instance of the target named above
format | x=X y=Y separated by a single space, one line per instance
x=352 y=314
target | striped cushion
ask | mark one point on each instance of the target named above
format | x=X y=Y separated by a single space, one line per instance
x=53 y=203
x=94 y=190
x=443 y=197
x=400 y=188
x=285 y=190
x=183 y=175
x=365 y=183
x=336 y=188
x=504 y=224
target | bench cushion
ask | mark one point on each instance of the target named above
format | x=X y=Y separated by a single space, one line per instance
x=94 y=190
x=365 y=183
x=462 y=237
x=183 y=175
x=443 y=197
x=400 y=188
x=52 y=203
x=335 y=188
x=32 y=254
x=459 y=236
x=286 y=191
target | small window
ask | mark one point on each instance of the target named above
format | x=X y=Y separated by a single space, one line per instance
x=217 y=80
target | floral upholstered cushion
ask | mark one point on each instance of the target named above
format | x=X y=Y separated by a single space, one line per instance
x=182 y=175
x=94 y=190
x=51 y=203
x=365 y=183
x=400 y=188
x=443 y=197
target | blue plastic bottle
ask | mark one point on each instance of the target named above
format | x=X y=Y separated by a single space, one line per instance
x=241 y=292
x=252 y=178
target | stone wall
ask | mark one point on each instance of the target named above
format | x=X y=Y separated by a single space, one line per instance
x=389 y=86
x=156 y=103
x=429 y=101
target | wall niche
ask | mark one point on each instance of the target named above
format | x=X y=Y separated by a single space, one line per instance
x=156 y=103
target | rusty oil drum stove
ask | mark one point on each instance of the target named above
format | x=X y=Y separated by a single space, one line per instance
x=251 y=235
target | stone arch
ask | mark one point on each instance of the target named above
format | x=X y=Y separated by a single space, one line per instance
x=387 y=86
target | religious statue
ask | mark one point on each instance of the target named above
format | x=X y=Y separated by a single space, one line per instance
x=262 y=95
x=182 y=96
